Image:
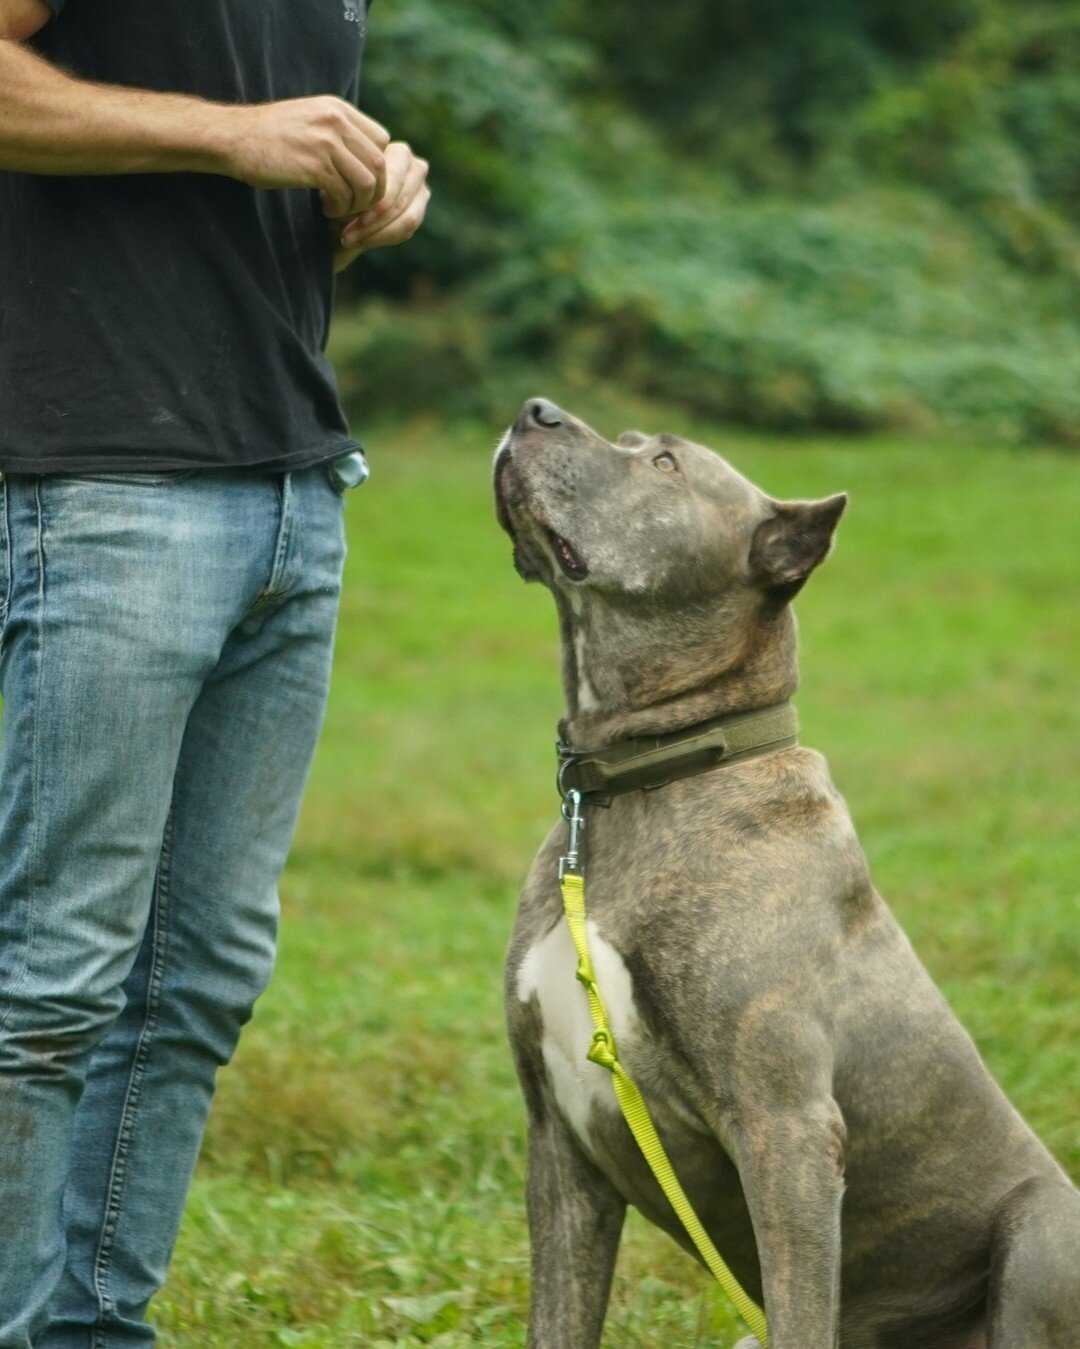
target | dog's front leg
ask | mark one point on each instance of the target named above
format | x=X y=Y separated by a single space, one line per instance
x=791 y=1166
x=575 y=1221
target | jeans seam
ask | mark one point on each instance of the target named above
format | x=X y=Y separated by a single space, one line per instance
x=35 y=777
x=34 y=879
x=284 y=533
x=137 y=478
x=128 y=1114
x=5 y=540
x=270 y=591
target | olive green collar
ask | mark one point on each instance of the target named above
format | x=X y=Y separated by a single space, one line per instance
x=654 y=761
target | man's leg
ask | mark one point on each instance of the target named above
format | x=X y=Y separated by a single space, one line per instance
x=208 y=948
x=96 y=691
x=122 y=599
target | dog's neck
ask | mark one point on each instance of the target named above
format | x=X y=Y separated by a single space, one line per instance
x=620 y=684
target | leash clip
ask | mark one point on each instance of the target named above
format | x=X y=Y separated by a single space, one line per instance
x=575 y=820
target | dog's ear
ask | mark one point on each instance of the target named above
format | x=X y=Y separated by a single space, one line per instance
x=793 y=540
x=630 y=440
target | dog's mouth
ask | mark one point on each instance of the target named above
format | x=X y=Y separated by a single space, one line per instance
x=513 y=509
x=567 y=556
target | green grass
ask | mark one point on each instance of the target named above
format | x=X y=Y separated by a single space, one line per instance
x=362 y=1177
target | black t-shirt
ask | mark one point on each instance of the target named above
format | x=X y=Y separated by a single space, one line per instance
x=174 y=320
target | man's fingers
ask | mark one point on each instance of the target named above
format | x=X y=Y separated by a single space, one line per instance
x=374 y=131
x=379 y=189
x=385 y=212
x=394 y=231
x=364 y=126
x=399 y=160
x=357 y=162
x=394 y=217
x=354 y=183
x=365 y=140
x=399 y=191
x=335 y=196
x=413 y=218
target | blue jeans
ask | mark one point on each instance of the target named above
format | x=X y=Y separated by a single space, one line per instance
x=165 y=647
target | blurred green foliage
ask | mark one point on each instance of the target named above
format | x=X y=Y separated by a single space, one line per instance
x=839 y=213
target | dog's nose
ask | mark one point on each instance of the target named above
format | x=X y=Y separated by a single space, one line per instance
x=543 y=412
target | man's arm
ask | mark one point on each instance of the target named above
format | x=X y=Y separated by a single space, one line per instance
x=53 y=123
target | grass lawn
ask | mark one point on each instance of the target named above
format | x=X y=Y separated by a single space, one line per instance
x=362 y=1178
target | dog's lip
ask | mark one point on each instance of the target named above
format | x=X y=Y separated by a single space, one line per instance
x=569 y=559
x=502 y=511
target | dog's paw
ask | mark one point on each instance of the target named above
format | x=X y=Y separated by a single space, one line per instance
x=749 y=1343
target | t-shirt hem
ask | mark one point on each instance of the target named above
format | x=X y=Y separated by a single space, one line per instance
x=298 y=459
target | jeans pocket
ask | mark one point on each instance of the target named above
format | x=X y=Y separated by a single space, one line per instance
x=129 y=477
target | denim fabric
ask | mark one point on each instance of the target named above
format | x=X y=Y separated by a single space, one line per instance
x=165 y=647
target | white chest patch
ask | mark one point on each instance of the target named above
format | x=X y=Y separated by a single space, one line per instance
x=587 y=699
x=548 y=974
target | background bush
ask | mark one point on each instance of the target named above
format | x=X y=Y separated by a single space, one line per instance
x=852 y=214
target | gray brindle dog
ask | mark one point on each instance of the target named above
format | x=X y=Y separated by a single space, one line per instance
x=793 y=1050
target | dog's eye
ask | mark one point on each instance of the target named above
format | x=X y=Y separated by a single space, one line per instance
x=666 y=463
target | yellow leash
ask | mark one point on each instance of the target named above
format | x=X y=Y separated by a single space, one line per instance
x=602 y=1050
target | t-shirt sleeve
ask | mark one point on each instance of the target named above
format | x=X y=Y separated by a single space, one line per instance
x=55 y=5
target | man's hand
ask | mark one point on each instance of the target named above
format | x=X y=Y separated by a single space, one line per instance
x=393 y=217
x=320 y=142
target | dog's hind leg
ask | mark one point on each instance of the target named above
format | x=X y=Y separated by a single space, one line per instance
x=1034 y=1298
x=575 y=1221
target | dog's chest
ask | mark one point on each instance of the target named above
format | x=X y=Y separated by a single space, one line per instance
x=548 y=974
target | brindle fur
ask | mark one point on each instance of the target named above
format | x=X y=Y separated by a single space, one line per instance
x=830 y=1119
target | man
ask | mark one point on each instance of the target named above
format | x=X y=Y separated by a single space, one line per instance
x=180 y=181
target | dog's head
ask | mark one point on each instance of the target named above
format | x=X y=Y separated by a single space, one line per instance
x=666 y=563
